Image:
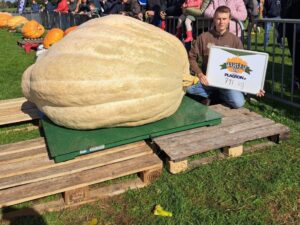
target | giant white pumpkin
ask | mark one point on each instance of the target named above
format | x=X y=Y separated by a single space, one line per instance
x=111 y=71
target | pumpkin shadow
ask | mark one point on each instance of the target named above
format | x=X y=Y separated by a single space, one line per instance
x=22 y=216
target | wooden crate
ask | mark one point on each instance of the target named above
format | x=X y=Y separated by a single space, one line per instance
x=24 y=41
x=27 y=173
x=238 y=126
x=17 y=110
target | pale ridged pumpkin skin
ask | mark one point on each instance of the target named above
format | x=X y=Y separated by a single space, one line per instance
x=111 y=71
x=16 y=21
x=33 y=29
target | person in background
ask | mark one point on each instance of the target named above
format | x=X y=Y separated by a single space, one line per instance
x=290 y=10
x=271 y=10
x=131 y=8
x=83 y=7
x=173 y=7
x=238 y=12
x=94 y=11
x=191 y=9
x=35 y=8
x=219 y=36
x=62 y=7
x=155 y=12
x=72 y=6
x=49 y=7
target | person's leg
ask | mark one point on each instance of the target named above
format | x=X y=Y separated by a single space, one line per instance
x=189 y=32
x=199 y=89
x=234 y=99
x=268 y=26
x=179 y=26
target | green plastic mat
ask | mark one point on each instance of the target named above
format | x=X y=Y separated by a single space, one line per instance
x=65 y=144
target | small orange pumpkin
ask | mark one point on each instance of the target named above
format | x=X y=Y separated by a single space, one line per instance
x=70 y=29
x=33 y=29
x=16 y=21
x=53 y=36
x=3 y=19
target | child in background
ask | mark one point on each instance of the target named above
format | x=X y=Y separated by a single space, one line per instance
x=190 y=10
x=94 y=11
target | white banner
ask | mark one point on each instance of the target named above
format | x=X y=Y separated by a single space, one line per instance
x=237 y=69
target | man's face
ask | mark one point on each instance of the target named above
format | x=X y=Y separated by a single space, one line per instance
x=221 y=21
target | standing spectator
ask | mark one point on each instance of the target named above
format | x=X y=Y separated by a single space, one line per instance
x=173 y=7
x=290 y=10
x=48 y=6
x=35 y=8
x=62 y=7
x=155 y=11
x=72 y=6
x=131 y=8
x=110 y=6
x=83 y=7
x=238 y=12
x=271 y=10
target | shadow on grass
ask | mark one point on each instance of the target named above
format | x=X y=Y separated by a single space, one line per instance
x=26 y=216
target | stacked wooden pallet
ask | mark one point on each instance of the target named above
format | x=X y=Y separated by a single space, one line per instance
x=238 y=126
x=27 y=173
x=17 y=110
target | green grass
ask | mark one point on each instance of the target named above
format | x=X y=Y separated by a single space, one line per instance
x=257 y=188
x=14 y=61
x=278 y=83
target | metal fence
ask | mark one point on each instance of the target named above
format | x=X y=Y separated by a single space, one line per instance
x=283 y=46
x=281 y=39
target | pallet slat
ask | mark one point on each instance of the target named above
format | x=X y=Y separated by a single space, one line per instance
x=17 y=110
x=81 y=179
x=233 y=139
x=61 y=169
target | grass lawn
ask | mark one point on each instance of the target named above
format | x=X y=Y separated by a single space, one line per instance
x=257 y=188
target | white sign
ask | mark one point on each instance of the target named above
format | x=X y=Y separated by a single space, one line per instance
x=236 y=69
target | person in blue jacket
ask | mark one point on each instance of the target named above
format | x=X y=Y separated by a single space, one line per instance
x=35 y=7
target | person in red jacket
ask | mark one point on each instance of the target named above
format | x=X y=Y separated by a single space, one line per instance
x=62 y=7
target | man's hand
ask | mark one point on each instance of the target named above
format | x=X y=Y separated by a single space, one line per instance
x=261 y=93
x=203 y=79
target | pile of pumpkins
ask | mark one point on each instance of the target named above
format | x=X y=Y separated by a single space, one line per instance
x=32 y=29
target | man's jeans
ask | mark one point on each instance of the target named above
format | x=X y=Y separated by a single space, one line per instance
x=234 y=99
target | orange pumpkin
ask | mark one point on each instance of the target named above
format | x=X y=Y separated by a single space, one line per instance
x=3 y=19
x=16 y=21
x=33 y=29
x=53 y=36
x=70 y=29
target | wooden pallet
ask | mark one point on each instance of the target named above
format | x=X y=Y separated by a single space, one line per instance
x=238 y=126
x=30 y=41
x=27 y=173
x=17 y=110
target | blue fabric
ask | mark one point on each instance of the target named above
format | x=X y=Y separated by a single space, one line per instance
x=268 y=26
x=35 y=8
x=234 y=99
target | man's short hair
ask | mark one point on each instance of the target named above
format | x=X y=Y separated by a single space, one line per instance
x=223 y=9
